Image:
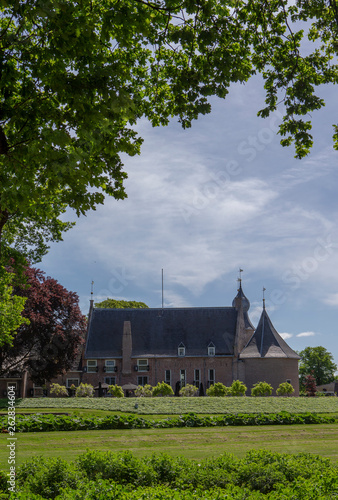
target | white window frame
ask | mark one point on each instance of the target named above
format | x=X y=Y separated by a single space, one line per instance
x=211 y=379
x=142 y=365
x=183 y=378
x=211 y=350
x=110 y=365
x=166 y=379
x=91 y=365
x=181 y=351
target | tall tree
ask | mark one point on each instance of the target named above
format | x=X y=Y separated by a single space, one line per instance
x=121 y=304
x=317 y=362
x=75 y=76
x=50 y=343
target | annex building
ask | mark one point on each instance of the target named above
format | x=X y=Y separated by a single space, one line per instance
x=195 y=345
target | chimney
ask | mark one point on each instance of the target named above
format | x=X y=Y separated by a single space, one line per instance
x=126 y=348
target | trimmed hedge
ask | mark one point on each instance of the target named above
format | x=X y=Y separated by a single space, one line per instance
x=48 y=423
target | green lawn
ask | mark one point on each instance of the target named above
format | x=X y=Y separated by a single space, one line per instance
x=172 y=406
x=189 y=442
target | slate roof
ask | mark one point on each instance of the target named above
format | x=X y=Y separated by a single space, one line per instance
x=266 y=342
x=158 y=332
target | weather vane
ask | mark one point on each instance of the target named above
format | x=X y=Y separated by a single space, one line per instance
x=264 y=297
x=240 y=275
x=92 y=289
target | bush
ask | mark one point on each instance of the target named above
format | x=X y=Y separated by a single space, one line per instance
x=58 y=391
x=123 y=467
x=285 y=389
x=48 y=476
x=261 y=389
x=84 y=391
x=116 y=391
x=144 y=391
x=218 y=390
x=189 y=390
x=238 y=388
x=162 y=389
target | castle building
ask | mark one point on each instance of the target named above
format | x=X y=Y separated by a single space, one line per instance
x=195 y=345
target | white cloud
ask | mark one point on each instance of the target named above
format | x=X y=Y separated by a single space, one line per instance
x=331 y=300
x=306 y=334
x=286 y=336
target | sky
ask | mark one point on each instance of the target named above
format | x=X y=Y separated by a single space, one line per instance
x=205 y=202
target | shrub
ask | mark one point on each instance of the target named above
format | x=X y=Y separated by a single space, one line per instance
x=261 y=389
x=116 y=391
x=58 y=391
x=189 y=390
x=163 y=389
x=84 y=391
x=310 y=386
x=48 y=476
x=144 y=391
x=123 y=467
x=218 y=390
x=237 y=388
x=285 y=389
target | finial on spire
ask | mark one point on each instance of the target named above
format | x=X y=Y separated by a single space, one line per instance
x=264 y=298
x=92 y=289
x=240 y=277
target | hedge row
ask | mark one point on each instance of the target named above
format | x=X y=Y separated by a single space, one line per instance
x=41 y=423
x=106 y=476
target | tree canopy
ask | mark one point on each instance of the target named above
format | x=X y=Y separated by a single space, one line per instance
x=75 y=76
x=49 y=343
x=317 y=362
x=120 y=304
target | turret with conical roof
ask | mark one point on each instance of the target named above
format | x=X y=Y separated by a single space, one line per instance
x=266 y=342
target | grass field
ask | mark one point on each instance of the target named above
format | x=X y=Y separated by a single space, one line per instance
x=176 y=406
x=189 y=442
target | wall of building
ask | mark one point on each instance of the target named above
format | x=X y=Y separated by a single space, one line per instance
x=273 y=371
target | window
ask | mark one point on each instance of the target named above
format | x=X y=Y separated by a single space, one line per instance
x=211 y=380
x=110 y=365
x=182 y=378
x=181 y=350
x=92 y=365
x=142 y=365
x=211 y=349
x=197 y=378
x=167 y=377
x=288 y=380
x=110 y=380
x=142 y=381
x=72 y=381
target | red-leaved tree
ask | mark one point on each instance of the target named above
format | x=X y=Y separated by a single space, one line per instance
x=50 y=343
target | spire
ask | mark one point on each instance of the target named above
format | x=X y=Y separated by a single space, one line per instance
x=263 y=298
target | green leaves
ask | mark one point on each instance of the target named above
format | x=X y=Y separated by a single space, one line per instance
x=76 y=76
x=11 y=308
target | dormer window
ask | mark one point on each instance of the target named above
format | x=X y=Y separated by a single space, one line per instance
x=211 y=349
x=181 y=350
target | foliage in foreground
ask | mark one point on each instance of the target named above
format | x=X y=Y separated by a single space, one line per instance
x=48 y=423
x=104 y=475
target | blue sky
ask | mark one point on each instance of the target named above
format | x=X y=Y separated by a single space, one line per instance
x=209 y=200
